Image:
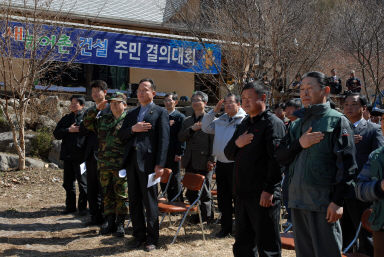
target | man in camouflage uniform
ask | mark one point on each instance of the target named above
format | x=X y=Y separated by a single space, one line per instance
x=113 y=180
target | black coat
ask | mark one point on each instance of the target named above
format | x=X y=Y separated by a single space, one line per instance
x=256 y=168
x=151 y=146
x=175 y=146
x=199 y=145
x=372 y=139
x=73 y=144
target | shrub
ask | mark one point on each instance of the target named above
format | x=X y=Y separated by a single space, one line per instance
x=4 y=126
x=41 y=143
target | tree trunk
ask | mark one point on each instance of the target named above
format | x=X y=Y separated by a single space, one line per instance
x=22 y=142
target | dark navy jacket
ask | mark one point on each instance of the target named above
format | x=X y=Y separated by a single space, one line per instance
x=151 y=147
x=175 y=146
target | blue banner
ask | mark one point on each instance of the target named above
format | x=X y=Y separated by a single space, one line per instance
x=106 y=48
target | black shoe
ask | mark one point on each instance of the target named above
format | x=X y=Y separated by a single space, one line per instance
x=193 y=219
x=83 y=212
x=120 y=232
x=68 y=211
x=135 y=243
x=109 y=225
x=149 y=247
x=222 y=234
x=94 y=221
x=210 y=220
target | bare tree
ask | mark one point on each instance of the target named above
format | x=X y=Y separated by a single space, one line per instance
x=33 y=40
x=274 y=38
x=360 y=27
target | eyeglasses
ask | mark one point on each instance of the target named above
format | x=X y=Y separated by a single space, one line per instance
x=196 y=100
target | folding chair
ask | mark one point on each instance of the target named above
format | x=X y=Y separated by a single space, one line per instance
x=365 y=218
x=363 y=223
x=287 y=240
x=213 y=190
x=194 y=182
x=214 y=193
x=165 y=179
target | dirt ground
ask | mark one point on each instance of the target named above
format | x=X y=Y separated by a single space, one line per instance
x=31 y=225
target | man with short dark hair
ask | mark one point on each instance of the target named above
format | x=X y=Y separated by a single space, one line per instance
x=291 y=107
x=279 y=111
x=145 y=132
x=176 y=148
x=257 y=176
x=320 y=152
x=368 y=137
x=99 y=91
x=223 y=128
x=72 y=153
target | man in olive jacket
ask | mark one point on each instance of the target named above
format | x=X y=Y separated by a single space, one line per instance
x=320 y=151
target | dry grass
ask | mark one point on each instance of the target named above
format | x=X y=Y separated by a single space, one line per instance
x=31 y=225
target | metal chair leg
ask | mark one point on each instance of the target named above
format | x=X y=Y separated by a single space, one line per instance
x=354 y=239
x=178 y=229
x=162 y=219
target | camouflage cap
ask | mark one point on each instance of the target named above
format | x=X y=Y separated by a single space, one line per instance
x=118 y=96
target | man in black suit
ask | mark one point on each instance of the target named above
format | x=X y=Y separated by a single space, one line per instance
x=368 y=137
x=146 y=133
x=176 y=148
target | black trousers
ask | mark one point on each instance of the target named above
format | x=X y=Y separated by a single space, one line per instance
x=175 y=182
x=94 y=187
x=206 y=198
x=257 y=229
x=353 y=209
x=224 y=180
x=140 y=198
x=71 y=174
x=284 y=191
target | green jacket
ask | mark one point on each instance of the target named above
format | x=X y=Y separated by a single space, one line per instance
x=111 y=148
x=368 y=187
x=324 y=172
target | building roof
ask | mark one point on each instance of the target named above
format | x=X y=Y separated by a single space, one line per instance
x=146 y=12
